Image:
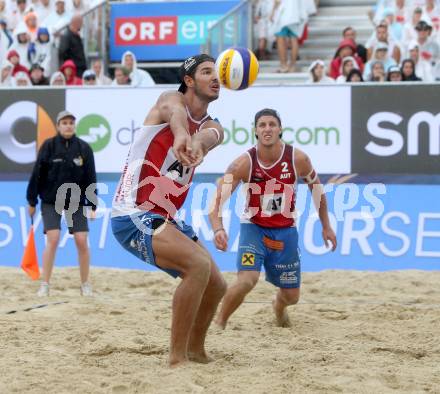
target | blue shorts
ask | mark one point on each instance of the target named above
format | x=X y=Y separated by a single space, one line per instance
x=281 y=262
x=286 y=32
x=135 y=234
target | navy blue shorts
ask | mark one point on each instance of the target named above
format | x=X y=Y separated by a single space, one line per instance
x=135 y=234
x=275 y=248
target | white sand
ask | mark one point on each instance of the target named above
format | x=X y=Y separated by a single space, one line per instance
x=353 y=332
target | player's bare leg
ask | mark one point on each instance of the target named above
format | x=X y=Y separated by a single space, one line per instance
x=53 y=237
x=173 y=250
x=83 y=254
x=211 y=298
x=282 y=300
x=246 y=281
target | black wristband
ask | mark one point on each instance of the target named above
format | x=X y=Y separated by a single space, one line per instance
x=219 y=229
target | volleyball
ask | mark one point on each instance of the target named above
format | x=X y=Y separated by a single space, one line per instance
x=237 y=68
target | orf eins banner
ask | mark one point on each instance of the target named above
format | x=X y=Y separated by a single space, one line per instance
x=315 y=119
x=166 y=30
x=379 y=227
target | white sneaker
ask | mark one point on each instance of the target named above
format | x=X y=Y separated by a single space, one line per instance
x=86 y=290
x=43 y=291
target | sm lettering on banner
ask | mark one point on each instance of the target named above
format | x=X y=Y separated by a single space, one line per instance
x=396 y=136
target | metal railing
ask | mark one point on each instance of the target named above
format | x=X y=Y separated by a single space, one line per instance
x=95 y=30
x=233 y=29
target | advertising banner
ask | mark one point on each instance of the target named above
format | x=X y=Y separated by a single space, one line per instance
x=316 y=120
x=379 y=227
x=166 y=30
x=26 y=120
x=396 y=129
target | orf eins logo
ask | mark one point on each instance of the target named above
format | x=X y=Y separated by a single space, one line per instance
x=14 y=150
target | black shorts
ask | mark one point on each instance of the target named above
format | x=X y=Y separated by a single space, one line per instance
x=52 y=219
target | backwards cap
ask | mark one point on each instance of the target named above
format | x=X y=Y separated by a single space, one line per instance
x=189 y=67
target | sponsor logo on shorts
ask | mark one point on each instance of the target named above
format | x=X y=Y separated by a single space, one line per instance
x=288 y=277
x=248 y=259
x=141 y=247
x=288 y=266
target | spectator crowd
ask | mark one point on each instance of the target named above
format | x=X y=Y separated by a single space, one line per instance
x=404 y=46
x=41 y=44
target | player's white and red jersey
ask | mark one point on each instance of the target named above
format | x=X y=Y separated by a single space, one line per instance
x=152 y=179
x=271 y=191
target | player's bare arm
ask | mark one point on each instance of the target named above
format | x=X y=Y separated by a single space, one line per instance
x=170 y=108
x=238 y=171
x=207 y=138
x=306 y=171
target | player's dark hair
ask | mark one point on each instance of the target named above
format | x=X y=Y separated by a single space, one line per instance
x=267 y=112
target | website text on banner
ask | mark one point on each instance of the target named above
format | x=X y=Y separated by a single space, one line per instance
x=379 y=227
x=162 y=31
x=108 y=122
x=343 y=129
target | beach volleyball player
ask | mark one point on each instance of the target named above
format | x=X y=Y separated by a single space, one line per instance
x=268 y=234
x=176 y=135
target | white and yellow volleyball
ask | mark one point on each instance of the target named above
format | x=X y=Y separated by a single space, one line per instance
x=237 y=68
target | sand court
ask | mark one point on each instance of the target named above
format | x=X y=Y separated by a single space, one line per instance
x=352 y=332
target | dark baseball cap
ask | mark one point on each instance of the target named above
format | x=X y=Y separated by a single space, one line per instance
x=423 y=25
x=189 y=67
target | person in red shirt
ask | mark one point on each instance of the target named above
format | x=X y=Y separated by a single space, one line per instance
x=14 y=58
x=268 y=234
x=346 y=48
x=69 y=70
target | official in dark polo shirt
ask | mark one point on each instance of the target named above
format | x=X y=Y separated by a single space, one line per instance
x=64 y=178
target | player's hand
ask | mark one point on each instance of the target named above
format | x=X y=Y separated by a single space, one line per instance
x=328 y=235
x=221 y=240
x=197 y=153
x=182 y=148
x=31 y=211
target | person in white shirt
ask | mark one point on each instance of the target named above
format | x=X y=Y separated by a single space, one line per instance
x=317 y=73
x=43 y=10
x=423 y=67
x=263 y=10
x=98 y=68
x=22 y=44
x=409 y=30
x=138 y=77
x=58 y=18
x=42 y=53
x=77 y=6
x=348 y=63
x=381 y=35
x=429 y=48
x=6 y=73
x=17 y=15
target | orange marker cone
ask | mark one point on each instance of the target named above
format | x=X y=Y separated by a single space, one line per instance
x=29 y=262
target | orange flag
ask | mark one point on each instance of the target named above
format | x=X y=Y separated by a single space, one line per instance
x=29 y=263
